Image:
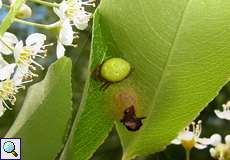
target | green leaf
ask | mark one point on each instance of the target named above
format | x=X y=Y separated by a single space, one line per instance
x=181 y=54
x=9 y=19
x=93 y=120
x=43 y=120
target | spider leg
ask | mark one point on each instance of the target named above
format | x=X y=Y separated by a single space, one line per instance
x=132 y=69
x=106 y=86
x=141 y=118
x=103 y=85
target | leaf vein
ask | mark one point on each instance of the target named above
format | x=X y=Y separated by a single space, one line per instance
x=151 y=27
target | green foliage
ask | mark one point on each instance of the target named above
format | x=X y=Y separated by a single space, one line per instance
x=181 y=61
x=180 y=52
x=93 y=120
x=43 y=120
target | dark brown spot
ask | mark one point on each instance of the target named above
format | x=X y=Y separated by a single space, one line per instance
x=131 y=122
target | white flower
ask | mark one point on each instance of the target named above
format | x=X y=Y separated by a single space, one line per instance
x=25 y=55
x=189 y=139
x=81 y=19
x=2 y=62
x=12 y=75
x=6 y=71
x=220 y=151
x=11 y=81
x=9 y=87
x=61 y=11
x=0 y=3
x=225 y=114
x=7 y=43
x=66 y=37
x=71 y=12
x=74 y=11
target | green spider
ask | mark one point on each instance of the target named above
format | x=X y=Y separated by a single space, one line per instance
x=112 y=70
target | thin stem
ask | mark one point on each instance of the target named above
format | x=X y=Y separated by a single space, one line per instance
x=43 y=26
x=6 y=6
x=49 y=4
x=9 y=18
x=187 y=154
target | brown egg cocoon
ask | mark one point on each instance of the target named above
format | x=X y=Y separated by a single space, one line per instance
x=123 y=100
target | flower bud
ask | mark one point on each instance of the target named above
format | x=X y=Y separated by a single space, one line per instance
x=24 y=12
x=220 y=152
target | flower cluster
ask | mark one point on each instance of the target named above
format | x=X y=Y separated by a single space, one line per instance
x=71 y=13
x=191 y=138
x=225 y=114
x=13 y=76
x=219 y=150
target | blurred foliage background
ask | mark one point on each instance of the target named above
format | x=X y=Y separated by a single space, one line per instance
x=111 y=148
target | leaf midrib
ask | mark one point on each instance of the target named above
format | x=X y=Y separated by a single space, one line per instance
x=158 y=89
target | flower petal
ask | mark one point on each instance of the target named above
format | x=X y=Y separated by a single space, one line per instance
x=35 y=42
x=2 y=108
x=19 y=74
x=8 y=40
x=227 y=104
x=35 y=38
x=81 y=19
x=2 y=62
x=200 y=146
x=60 y=12
x=186 y=135
x=222 y=115
x=7 y=71
x=5 y=50
x=212 y=152
x=60 y=50
x=17 y=50
x=176 y=141
x=215 y=139
x=205 y=141
x=227 y=139
x=66 y=33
